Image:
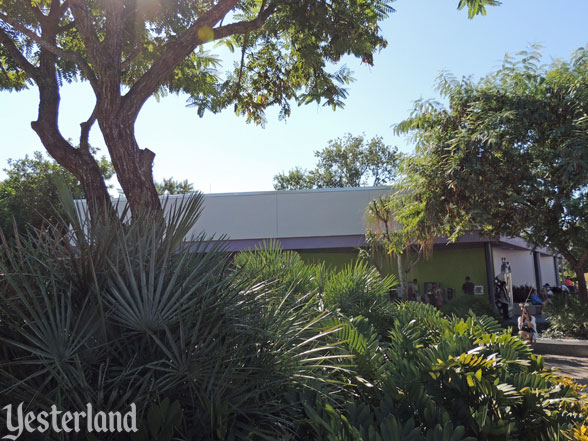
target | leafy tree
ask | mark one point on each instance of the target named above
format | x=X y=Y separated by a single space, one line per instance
x=508 y=156
x=129 y=50
x=171 y=186
x=28 y=196
x=351 y=161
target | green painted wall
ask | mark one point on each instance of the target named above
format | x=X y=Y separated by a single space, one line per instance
x=448 y=267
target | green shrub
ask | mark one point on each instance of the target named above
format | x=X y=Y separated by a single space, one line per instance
x=113 y=314
x=447 y=379
x=279 y=271
x=567 y=316
x=260 y=348
x=360 y=290
x=420 y=375
x=463 y=305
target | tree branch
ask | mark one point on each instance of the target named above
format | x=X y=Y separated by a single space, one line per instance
x=64 y=7
x=86 y=29
x=70 y=56
x=38 y=14
x=19 y=58
x=129 y=59
x=243 y=27
x=114 y=32
x=173 y=54
x=67 y=27
x=85 y=130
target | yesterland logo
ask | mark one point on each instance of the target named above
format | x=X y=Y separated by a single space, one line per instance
x=18 y=421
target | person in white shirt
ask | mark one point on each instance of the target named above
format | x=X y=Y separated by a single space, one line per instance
x=527 y=326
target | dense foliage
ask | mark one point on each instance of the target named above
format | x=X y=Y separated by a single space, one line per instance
x=28 y=195
x=507 y=156
x=351 y=161
x=567 y=316
x=114 y=314
x=169 y=186
x=262 y=347
x=521 y=293
x=463 y=305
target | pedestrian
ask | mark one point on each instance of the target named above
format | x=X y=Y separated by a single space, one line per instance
x=468 y=286
x=570 y=285
x=527 y=325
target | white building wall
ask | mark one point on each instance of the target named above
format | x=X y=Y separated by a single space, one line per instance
x=521 y=265
x=548 y=270
x=272 y=214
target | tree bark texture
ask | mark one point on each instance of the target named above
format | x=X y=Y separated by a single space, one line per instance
x=78 y=161
x=582 y=289
x=401 y=277
x=133 y=166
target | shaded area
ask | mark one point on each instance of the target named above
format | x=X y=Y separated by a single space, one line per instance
x=575 y=367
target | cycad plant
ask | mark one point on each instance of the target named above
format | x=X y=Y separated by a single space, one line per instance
x=443 y=379
x=111 y=313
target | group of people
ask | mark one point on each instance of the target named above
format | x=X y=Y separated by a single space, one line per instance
x=527 y=324
x=433 y=296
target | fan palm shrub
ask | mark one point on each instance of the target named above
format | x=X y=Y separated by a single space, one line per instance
x=360 y=290
x=112 y=313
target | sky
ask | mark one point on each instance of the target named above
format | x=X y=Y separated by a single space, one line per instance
x=222 y=153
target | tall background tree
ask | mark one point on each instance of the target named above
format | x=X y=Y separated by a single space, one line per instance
x=351 y=161
x=129 y=50
x=509 y=156
x=170 y=186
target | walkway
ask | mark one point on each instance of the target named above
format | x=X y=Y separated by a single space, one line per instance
x=575 y=367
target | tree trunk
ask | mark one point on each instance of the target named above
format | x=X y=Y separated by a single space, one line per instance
x=582 y=290
x=401 y=277
x=578 y=265
x=133 y=166
x=95 y=190
x=77 y=161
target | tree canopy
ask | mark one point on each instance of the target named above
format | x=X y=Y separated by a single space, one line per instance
x=170 y=186
x=129 y=50
x=351 y=161
x=29 y=196
x=509 y=155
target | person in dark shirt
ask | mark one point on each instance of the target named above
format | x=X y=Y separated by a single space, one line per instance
x=468 y=286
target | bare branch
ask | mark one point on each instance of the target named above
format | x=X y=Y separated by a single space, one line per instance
x=67 y=27
x=38 y=14
x=85 y=129
x=64 y=7
x=243 y=50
